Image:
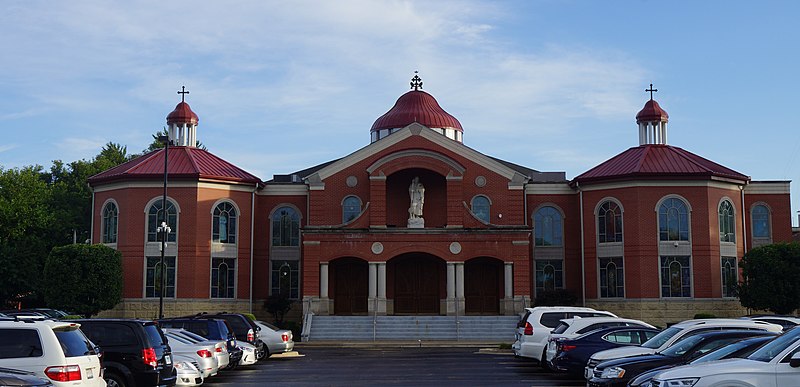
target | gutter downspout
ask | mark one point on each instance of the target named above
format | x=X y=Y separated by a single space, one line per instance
x=252 y=225
x=91 y=227
x=583 y=249
x=744 y=221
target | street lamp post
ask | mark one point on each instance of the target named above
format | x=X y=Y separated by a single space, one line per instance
x=163 y=231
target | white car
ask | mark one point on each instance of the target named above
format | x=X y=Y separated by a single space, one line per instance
x=203 y=354
x=249 y=353
x=220 y=347
x=674 y=333
x=776 y=364
x=576 y=326
x=536 y=323
x=54 y=350
x=187 y=372
x=277 y=340
x=787 y=322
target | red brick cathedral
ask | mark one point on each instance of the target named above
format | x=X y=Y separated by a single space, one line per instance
x=417 y=223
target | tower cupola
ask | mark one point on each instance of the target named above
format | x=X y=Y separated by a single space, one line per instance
x=182 y=123
x=652 y=121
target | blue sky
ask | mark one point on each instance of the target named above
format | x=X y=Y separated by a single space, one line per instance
x=281 y=86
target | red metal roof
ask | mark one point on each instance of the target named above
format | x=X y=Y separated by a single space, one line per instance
x=652 y=112
x=184 y=163
x=416 y=106
x=656 y=161
x=182 y=114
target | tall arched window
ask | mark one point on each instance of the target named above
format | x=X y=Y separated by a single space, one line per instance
x=612 y=277
x=224 y=223
x=481 y=208
x=548 y=227
x=285 y=227
x=110 y=220
x=673 y=220
x=609 y=222
x=549 y=275
x=223 y=277
x=351 y=208
x=727 y=231
x=154 y=218
x=761 y=223
x=676 y=277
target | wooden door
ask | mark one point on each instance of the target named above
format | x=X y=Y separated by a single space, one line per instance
x=416 y=286
x=482 y=286
x=351 y=282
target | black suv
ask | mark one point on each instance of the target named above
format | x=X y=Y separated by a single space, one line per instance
x=135 y=352
x=243 y=328
x=212 y=329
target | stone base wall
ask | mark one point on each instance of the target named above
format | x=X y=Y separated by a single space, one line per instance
x=666 y=312
x=148 y=308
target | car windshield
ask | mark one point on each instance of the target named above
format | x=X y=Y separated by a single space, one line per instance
x=73 y=342
x=681 y=346
x=661 y=338
x=722 y=352
x=154 y=335
x=776 y=346
x=268 y=325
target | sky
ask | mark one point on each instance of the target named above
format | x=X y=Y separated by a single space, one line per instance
x=282 y=86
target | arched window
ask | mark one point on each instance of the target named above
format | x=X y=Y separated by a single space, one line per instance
x=673 y=220
x=548 y=227
x=154 y=218
x=223 y=277
x=612 y=277
x=110 y=220
x=224 y=223
x=676 y=277
x=285 y=227
x=761 y=222
x=609 y=222
x=481 y=208
x=727 y=232
x=730 y=276
x=351 y=208
x=549 y=275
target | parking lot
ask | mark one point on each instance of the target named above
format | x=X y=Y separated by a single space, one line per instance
x=329 y=366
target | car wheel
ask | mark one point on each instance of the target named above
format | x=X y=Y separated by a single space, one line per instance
x=114 y=380
x=543 y=362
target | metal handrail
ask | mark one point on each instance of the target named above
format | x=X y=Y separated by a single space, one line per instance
x=375 y=319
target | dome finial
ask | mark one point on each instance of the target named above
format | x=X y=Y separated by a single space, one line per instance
x=416 y=82
x=183 y=93
x=651 y=90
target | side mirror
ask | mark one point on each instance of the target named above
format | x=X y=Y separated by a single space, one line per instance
x=794 y=362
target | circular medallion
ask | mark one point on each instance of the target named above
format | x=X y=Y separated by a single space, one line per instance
x=480 y=181
x=352 y=181
x=455 y=247
x=377 y=248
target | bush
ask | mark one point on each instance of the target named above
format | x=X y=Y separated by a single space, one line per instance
x=278 y=306
x=704 y=315
x=251 y=316
x=558 y=297
x=771 y=278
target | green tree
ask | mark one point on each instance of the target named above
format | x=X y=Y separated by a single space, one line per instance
x=771 y=278
x=26 y=224
x=84 y=279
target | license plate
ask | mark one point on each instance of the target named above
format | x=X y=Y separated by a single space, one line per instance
x=167 y=359
x=89 y=373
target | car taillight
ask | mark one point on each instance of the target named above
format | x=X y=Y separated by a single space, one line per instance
x=63 y=373
x=149 y=357
x=218 y=349
x=204 y=353
x=251 y=336
x=285 y=337
x=528 y=329
x=566 y=347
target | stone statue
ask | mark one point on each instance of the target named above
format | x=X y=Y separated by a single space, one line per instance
x=416 y=191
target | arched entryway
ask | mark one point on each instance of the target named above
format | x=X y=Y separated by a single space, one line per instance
x=417 y=282
x=483 y=286
x=350 y=282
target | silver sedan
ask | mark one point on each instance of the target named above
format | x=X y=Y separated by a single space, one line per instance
x=277 y=340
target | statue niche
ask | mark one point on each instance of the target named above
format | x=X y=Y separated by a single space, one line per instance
x=416 y=193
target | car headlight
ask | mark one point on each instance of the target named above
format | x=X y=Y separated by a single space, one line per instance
x=181 y=365
x=613 y=373
x=682 y=382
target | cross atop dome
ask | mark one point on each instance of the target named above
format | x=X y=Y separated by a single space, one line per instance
x=182 y=123
x=652 y=121
x=416 y=82
x=651 y=90
x=183 y=92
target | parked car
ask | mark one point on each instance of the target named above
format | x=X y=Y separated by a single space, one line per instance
x=787 y=322
x=277 y=340
x=203 y=354
x=775 y=364
x=249 y=353
x=738 y=349
x=17 y=378
x=533 y=329
x=56 y=350
x=54 y=313
x=243 y=328
x=135 y=351
x=674 y=333
x=211 y=329
x=576 y=326
x=617 y=372
x=186 y=371
x=571 y=354
x=220 y=350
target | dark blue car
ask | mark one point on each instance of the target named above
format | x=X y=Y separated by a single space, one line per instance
x=572 y=354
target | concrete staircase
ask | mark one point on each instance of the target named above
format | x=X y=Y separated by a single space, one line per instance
x=499 y=329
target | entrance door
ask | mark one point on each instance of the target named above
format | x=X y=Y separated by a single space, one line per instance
x=416 y=286
x=482 y=286
x=350 y=281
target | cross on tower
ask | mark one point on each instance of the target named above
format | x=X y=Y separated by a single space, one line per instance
x=651 y=90
x=183 y=92
x=416 y=82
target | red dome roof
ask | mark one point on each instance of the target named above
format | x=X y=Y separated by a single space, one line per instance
x=652 y=112
x=182 y=114
x=416 y=106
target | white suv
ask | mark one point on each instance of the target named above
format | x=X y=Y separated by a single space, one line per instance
x=55 y=350
x=535 y=325
x=674 y=333
x=776 y=364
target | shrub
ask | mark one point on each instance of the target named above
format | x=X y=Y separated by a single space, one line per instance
x=558 y=297
x=704 y=315
x=278 y=306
